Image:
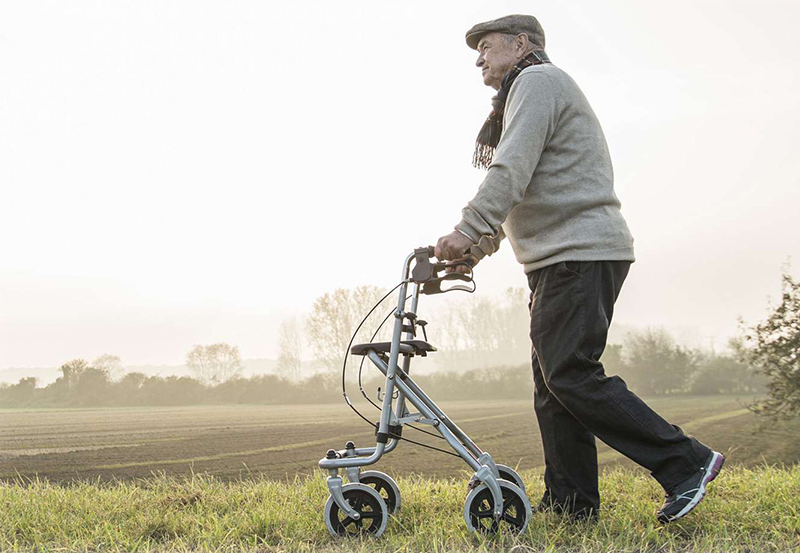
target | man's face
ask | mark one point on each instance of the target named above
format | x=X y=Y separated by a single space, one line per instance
x=496 y=56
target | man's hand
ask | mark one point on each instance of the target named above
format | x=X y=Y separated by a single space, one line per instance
x=469 y=258
x=453 y=246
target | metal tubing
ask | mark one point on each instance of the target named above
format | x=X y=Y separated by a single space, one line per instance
x=463 y=452
x=386 y=407
x=353 y=461
x=394 y=352
x=401 y=398
x=428 y=402
x=407 y=266
x=456 y=437
x=415 y=298
x=400 y=408
x=362 y=451
x=485 y=475
x=335 y=487
x=486 y=459
x=362 y=454
x=468 y=443
x=443 y=430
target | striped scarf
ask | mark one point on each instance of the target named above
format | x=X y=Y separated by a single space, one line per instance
x=489 y=137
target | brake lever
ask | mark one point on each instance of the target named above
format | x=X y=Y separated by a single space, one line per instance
x=434 y=286
x=460 y=289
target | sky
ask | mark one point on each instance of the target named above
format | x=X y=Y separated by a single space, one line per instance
x=176 y=173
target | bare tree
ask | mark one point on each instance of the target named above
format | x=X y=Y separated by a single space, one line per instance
x=484 y=332
x=214 y=363
x=290 y=345
x=111 y=364
x=444 y=330
x=72 y=370
x=335 y=316
x=514 y=324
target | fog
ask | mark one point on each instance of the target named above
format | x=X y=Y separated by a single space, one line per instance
x=189 y=173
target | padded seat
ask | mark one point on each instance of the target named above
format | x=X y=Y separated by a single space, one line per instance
x=407 y=347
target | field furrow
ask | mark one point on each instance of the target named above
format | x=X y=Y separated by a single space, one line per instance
x=283 y=441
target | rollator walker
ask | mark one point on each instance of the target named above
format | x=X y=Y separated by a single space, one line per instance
x=496 y=501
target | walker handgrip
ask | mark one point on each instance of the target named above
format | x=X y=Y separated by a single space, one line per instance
x=456 y=276
x=426 y=271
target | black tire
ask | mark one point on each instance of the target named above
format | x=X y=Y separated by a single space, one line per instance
x=368 y=503
x=507 y=473
x=479 y=510
x=385 y=486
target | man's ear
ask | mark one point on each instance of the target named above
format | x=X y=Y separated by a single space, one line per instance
x=521 y=42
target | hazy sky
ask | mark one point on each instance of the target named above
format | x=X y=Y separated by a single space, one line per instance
x=179 y=173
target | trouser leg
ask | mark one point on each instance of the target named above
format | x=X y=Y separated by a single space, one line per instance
x=572 y=306
x=570 y=453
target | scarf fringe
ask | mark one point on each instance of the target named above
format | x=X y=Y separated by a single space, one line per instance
x=483 y=156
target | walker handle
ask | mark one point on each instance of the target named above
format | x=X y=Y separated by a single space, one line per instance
x=427 y=272
x=423 y=270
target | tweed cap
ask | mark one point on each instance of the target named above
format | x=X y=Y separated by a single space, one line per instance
x=511 y=24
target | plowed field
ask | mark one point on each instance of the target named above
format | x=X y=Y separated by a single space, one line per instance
x=282 y=441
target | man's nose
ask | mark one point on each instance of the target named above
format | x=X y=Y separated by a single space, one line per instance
x=480 y=61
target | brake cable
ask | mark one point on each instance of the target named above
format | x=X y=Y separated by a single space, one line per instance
x=361 y=387
x=347 y=354
x=347 y=398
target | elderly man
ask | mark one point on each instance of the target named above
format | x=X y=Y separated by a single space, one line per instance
x=549 y=189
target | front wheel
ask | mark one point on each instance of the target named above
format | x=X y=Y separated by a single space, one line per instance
x=479 y=510
x=367 y=502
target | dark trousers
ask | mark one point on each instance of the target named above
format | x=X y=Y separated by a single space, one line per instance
x=571 y=307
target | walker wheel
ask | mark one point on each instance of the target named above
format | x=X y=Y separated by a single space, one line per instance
x=507 y=473
x=385 y=486
x=367 y=502
x=479 y=510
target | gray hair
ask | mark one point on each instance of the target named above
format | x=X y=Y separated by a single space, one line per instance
x=532 y=46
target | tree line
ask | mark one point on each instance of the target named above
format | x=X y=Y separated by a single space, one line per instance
x=486 y=338
x=649 y=361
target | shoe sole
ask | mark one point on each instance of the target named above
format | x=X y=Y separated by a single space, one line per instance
x=714 y=467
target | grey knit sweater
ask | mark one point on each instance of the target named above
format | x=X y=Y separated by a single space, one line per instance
x=550 y=187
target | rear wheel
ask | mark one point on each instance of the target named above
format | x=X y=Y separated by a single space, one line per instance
x=385 y=486
x=479 y=510
x=507 y=473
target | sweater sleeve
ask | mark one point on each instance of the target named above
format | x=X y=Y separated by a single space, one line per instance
x=529 y=120
x=487 y=245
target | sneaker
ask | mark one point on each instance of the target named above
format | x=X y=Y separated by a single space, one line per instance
x=685 y=496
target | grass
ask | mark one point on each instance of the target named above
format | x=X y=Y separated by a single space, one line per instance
x=747 y=509
x=81 y=480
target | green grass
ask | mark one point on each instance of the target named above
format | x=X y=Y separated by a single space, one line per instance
x=95 y=490
x=747 y=509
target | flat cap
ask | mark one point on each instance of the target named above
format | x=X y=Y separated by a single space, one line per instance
x=511 y=24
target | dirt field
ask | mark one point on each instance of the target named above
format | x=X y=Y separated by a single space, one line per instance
x=283 y=441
